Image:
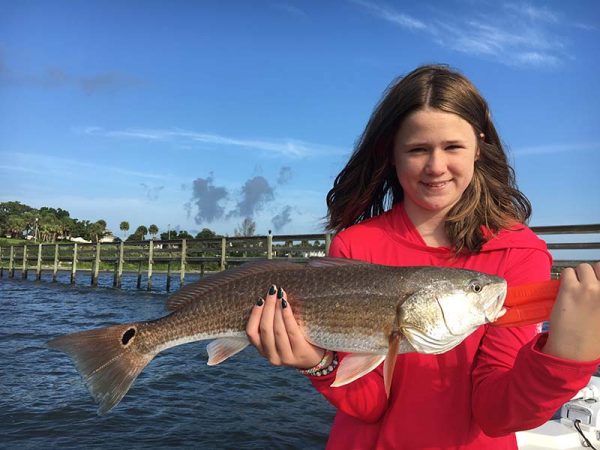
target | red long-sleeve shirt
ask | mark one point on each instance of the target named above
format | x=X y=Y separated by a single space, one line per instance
x=474 y=396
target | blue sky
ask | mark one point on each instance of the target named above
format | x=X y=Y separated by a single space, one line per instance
x=194 y=114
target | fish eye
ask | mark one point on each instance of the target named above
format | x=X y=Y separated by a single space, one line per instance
x=475 y=286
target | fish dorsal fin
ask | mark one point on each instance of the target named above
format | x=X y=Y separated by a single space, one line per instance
x=328 y=261
x=192 y=292
x=354 y=366
x=221 y=349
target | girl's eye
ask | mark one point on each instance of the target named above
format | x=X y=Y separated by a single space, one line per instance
x=453 y=147
x=417 y=150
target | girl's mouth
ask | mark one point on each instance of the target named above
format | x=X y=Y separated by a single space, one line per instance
x=436 y=184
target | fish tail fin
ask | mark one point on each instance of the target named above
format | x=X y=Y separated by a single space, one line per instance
x=107 y=359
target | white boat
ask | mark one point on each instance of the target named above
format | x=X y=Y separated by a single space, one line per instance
x=577 y=427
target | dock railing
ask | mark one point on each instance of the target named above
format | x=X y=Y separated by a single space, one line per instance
x=182 y=257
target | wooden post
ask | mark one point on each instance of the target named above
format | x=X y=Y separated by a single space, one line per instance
x=183 y=262
x=24 y=266
x=169 y=274
x=38 y=269
x=74 y=264
x=269 y=245
x=11 y=262
x=327 y=243
x=139 y=275
x=96 y=265
x=150 y=261
x=55 y=268
x=223 y=253
x=1 y=264
x=120 y=262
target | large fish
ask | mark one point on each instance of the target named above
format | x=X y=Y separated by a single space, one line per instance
x=373 y=312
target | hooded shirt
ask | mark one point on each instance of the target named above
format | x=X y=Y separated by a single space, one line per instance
x=475 y=396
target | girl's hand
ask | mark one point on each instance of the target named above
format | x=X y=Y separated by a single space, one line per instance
x=273 y=330
x=575 y=319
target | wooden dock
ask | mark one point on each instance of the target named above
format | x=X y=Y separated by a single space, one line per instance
x=173 y=257
x=182 y=257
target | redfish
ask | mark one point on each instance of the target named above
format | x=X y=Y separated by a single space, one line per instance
x=373 y=312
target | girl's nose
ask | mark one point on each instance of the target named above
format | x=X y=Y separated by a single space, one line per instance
x=436 y=164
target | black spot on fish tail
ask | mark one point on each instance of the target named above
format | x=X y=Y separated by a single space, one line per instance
x=127 y=336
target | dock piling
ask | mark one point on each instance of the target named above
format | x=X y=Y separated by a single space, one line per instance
x=38 y=268
x=74 y=264
x=183 y=262
x=150 y=262
x=55 y=267
x=24 y=266
x=11 y=262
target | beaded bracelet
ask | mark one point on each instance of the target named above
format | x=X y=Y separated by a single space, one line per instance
x=322 y=368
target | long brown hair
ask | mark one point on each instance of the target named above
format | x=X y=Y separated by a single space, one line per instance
x=368 y=184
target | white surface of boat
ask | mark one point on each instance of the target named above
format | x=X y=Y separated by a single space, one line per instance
x=561 y=433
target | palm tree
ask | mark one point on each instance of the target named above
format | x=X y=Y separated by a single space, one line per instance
x=153 y=230
x=124 y=226
x=141 y=231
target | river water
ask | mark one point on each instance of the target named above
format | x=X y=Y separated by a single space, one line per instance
x=177 y=401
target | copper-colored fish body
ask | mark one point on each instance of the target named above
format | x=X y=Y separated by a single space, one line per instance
x=340 y=305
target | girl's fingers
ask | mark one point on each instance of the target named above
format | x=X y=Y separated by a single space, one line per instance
x=252 y=327
x=585 y=273
x=265 y=327
x=305 y=354
x=597 y=270
x=295 y=335
x=282 y=341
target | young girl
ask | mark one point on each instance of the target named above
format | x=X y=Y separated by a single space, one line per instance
x=429 y=184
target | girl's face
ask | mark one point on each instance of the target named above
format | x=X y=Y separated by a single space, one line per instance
x=434 y=156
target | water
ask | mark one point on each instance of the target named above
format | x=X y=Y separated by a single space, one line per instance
x=177 y=401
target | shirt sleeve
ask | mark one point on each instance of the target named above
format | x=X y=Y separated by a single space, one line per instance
x=516 y=386
x=364 y=399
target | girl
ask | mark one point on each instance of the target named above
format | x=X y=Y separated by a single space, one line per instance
x=429 y=184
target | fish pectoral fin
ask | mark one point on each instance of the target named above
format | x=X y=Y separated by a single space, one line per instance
x=355 y=366
x=390 y=362
x=221 y=349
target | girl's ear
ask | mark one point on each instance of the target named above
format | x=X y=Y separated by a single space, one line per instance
x=477 y=153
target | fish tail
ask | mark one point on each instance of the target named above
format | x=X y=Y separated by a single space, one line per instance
x=107 y=359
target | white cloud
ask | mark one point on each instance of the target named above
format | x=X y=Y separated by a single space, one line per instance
x=390 y=15
x=291 y=148
x=532 y=12
x=520 y=34
x=46 y=164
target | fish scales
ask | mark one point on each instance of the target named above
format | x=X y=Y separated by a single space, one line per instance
x=370 y=311
x=338 y=307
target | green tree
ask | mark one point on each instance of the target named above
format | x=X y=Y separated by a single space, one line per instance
x=15 y=226
x=184 y=235
x=49 y=226
x=8 y=209
x=96 y=231
x=124 y=227
x=206 y=233
x=139 y=234
x=153 y=230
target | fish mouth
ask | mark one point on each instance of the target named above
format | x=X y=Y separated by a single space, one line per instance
x=493 y=308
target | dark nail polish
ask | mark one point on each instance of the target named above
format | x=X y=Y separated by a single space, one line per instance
x=283 y=303
x=272 y=290
x=260 y=302
x=279 y=293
